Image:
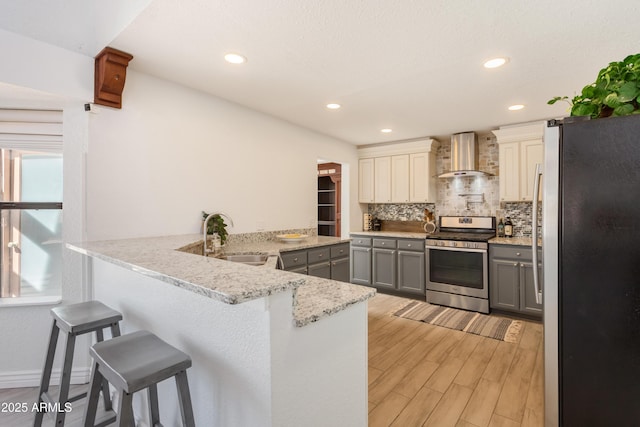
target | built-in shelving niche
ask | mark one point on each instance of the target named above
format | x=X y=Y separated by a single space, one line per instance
x=329 y=193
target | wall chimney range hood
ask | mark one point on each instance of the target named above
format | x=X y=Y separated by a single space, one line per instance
x=464 y=156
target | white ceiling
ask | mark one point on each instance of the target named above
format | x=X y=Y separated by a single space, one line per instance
x=411 y=65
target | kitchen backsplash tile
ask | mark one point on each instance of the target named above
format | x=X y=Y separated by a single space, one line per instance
x=473 y=196
x=401 y=212
x=520 y=214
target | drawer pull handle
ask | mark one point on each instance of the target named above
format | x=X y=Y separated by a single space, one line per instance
x=319 y=255
x=382 y=243
x=517 y=253
x=295 y=259
x=409 y=245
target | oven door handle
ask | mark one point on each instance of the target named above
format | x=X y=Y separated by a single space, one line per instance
x=448 y=248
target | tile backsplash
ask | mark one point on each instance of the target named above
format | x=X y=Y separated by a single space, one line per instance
x=473 y=196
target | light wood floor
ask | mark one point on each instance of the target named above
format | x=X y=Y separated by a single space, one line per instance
x=420 y=375
x=424 y=375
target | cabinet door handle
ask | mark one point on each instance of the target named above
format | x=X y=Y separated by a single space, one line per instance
x=319 y=255
x=382 y=243
x=295 y=260
x=409 y=245
x=517 y=253
x=515 y=264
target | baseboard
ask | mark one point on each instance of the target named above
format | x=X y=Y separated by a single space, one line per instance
x=18 y=379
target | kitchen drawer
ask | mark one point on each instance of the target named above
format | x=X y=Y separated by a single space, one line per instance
x=411 y=245
x=318 y=255
x=294 y=259
x=340 y=250
x=384 y=243
x=513 y=252
x=360 y=241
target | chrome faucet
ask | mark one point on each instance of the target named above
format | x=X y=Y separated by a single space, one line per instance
x=205 y=251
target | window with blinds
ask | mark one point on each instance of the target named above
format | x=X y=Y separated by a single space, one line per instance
x=30 y=203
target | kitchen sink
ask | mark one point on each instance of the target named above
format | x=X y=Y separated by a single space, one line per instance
x=249 y=259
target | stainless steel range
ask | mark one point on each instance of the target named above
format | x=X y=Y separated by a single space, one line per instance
x=457 y=262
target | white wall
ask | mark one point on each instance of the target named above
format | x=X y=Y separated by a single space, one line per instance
x=67 y=77
x=172 y=152
x=36 y=65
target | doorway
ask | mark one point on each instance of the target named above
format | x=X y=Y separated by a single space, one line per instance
x=329 y=199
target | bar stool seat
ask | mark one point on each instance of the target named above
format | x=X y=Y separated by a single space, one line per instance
x=131 y=363
x=74 y=319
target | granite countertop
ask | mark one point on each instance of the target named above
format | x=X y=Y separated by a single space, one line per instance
x=274 y=247
x=397 y=234
x=517 y=241
x=165 y=259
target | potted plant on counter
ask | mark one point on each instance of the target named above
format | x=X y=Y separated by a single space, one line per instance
x=616 y=91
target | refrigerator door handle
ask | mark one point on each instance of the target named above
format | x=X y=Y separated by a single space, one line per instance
x=534 y=233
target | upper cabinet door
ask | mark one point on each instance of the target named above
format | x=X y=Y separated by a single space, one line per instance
x=365 y=181
x=400 y=179
x=382 y=181
x=531 y=153
x=509 y=171
x=422 y=185
x=520 y=149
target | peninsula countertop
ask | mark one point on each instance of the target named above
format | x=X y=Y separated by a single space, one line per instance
x=164 y=259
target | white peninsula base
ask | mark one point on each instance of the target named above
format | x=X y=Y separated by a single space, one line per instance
x=251 y=365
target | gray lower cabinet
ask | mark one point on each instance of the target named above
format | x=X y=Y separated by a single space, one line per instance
x=397 y=265
x=322 y=269
x=511 y=286
x=318 y=262
x=384 y=263
x=411 y=266
x=327 y=262
x=361 y=260
x=340 y=262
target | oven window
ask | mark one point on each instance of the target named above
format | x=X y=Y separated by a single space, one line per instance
x=456 y=268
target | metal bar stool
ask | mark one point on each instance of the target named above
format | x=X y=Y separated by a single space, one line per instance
x=74 y=319
x=133 y=362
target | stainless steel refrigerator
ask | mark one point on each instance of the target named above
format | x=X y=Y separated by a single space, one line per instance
x=591 y=272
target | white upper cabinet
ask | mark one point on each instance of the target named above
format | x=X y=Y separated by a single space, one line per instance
x=382 y=179
x=400 y=179
x=520 y=149
x=398 y=173
x=422 y=183
x=531 y=153
x=365 y=181
x=509 y=163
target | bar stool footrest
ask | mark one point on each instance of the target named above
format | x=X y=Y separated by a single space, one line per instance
x=106 y=419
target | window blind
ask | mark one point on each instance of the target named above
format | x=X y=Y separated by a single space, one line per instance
x=31 y=130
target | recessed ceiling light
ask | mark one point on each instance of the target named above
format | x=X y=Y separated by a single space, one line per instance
x=495 y=62
x=386 y=130
x=234 y=58
x=516 y=107
x=333 y=106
